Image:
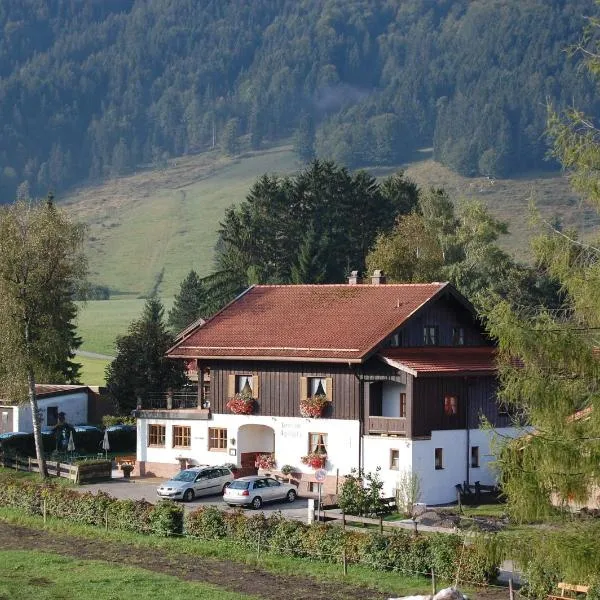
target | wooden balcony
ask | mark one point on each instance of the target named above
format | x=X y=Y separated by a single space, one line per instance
x=386 y=425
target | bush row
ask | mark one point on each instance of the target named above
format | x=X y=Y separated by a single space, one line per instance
x=400 y=551
x=164 y=518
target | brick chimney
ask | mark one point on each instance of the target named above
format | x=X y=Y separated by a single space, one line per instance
x=378 y=277
x=354 y=279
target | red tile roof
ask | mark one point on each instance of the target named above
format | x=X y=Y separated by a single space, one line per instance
x=438 y=360
x=306 y=322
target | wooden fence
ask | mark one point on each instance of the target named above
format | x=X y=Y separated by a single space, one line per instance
x=79 y=473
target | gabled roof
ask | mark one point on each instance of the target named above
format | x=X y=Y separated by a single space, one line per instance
x=339 y=323
x=45 y=390
x=442 y=360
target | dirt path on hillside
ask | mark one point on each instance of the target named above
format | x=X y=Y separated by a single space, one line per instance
x=229 y=575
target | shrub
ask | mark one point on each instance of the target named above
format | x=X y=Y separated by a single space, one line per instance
x=361 y=494
x=206 y=522
x=110 y=420
x=166 y=518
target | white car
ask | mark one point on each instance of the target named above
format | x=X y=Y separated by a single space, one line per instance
x=255 y=490
x=196 y=481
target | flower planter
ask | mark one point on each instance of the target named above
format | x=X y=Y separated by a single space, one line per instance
x=315 y=461
x=265 y=462
x=314 y=406
x=241 y=405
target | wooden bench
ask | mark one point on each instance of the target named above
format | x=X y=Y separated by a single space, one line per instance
x=568 y=591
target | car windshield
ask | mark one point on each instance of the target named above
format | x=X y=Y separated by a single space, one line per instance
x=185 y=476
x=239 y=485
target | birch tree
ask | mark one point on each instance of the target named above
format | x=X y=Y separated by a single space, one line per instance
x=41 y=263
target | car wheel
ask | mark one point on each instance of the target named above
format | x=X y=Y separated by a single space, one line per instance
x=291 y=496
x=256 y=502
x=225 y=487
x=188 y=495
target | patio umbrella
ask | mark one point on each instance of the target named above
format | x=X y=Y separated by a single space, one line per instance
x=71 y=444
x=105 y=444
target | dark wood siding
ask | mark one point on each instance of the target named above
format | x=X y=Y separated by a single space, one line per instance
x=477 y=394
x=279 y=386
x=445 y=313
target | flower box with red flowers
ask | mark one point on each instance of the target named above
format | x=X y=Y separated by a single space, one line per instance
x=314 y=406
x=316 y=460
x=266 y=462
x=241 y=404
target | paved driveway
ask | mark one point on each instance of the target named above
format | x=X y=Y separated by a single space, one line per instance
x=145 y=488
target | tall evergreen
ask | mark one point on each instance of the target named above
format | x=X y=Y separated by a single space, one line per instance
x=188 y=303
x=140 y=368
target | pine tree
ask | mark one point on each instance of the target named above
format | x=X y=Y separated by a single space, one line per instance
x=554 y=387
x=311 y=266
x=140 y=368
x=188 y=302
x=304 y=138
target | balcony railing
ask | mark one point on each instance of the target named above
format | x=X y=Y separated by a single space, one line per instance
x=388 y=425
x=176 y=400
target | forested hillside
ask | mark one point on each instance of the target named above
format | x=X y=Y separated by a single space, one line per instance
x=90 y=89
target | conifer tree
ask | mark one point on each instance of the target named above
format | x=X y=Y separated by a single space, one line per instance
x=188 y=304
x=141 y=368
x=555 y=385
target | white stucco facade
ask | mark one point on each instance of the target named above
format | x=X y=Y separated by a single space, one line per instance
x=287 y=438
x=73 y=404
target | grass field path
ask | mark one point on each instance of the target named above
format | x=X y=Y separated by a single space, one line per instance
x=225 y=574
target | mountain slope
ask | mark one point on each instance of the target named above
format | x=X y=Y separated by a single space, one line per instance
x=93 y=89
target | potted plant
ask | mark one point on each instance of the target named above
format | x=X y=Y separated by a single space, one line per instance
x=287 y=470
x=313 y=406
x=126 y=468
x=316 y=460
x=241 y=404
x=266 y=462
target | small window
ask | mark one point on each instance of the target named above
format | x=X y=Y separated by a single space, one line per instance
x=243 y=385
x=182 y=436
x=439 y=459
x=217 y=438
x=430 y=335
x=451 y=406
x=317 y=386
x=402 y=405
x=458 y=336
x=474 y=457
x=394 y=340
x=395 y=460
x=317 y=442
x=156 y=435
x=51 y=416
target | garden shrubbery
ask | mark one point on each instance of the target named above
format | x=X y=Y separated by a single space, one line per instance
x=164 y=518
x=400 y=551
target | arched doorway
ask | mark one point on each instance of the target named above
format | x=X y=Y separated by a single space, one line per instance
x=253 y=440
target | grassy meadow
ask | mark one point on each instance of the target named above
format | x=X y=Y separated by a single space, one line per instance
x=147 y=230
x=40 y=575
x=92 y=370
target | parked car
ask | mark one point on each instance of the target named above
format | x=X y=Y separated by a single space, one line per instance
x=196 y=481
x=255 y=491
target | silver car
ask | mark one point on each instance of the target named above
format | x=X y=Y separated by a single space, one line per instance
x=255 y=490
x=196 y=481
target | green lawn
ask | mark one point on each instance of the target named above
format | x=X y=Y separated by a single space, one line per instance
x=99 y=322
x=92 y=370
x=28 y=574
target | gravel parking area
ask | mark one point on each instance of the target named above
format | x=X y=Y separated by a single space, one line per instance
x=145 y=488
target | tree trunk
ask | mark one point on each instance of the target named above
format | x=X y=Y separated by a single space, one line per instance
x=37 y=435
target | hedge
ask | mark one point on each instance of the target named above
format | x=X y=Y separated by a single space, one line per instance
x=401 y=551
x=164 y=518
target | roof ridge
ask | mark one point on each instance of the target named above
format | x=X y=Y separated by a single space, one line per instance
x=348 y=285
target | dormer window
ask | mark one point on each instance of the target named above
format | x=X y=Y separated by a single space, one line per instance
x=394 y=340
x=430 y=335
x=458 y=336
